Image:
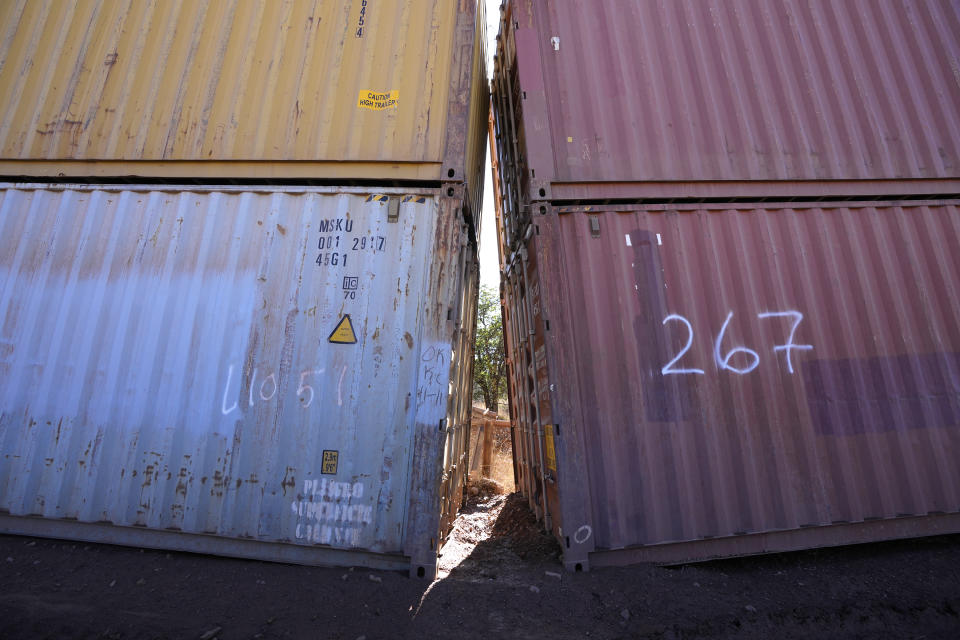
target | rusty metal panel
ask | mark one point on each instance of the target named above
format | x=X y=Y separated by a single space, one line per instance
x=442 y=420
x=729 y=370
x=729 y=90
x=239 y=88
x=248 y=365
x=457 y=442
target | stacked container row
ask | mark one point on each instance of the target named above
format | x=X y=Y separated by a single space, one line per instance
x=731 y=287
x=238 y=274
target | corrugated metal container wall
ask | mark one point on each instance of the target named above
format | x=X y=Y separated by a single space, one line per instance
x=708 y=380
x=691 y=379
x=611 y=99
x=241 y=89
x=261 y=372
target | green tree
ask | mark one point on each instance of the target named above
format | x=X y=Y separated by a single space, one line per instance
x=489 y=369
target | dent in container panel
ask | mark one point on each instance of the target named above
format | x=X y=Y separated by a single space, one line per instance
x=733 y=379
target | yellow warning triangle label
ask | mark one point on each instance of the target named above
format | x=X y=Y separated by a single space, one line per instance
x=343 y=334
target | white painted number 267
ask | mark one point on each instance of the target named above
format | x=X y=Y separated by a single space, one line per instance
x=722 y=359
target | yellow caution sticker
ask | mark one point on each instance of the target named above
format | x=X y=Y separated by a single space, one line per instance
x=551 y=452
x=331 y=460
x=378 y=100
x=343 y=334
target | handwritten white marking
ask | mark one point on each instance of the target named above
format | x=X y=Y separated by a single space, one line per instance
x=226 y=390
x=253 y=381
x=797 y=319
x=433 y=375
x=272 y=378
x=723 y=362
x=583 y=534
x=667 y=370
x=270 y=382
x=629 y=244
x=304 y=387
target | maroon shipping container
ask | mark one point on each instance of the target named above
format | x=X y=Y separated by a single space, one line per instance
x=694 y=381
x=731 y=285
x=720 y=98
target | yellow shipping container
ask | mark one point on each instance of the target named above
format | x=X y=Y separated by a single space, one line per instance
x=295 y=89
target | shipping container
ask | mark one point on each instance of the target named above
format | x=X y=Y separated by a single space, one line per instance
x=274 y=373
x=338 y=91
x=730 y=285
x=724 y=99
x=692 y=381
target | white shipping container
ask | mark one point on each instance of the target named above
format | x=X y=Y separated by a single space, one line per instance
x=277 y=373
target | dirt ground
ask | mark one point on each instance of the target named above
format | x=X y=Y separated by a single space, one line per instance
x=500 y=578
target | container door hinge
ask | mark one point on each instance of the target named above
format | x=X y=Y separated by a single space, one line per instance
x=393 y=210
x=443 y=424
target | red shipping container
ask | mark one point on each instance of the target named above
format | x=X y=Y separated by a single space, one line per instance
x=695 y=381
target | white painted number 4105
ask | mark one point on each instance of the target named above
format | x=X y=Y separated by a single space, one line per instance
x=751 y=357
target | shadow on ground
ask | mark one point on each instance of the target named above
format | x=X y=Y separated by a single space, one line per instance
x=509 y=585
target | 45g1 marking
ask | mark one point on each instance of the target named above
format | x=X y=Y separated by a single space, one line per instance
x=330 y=259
